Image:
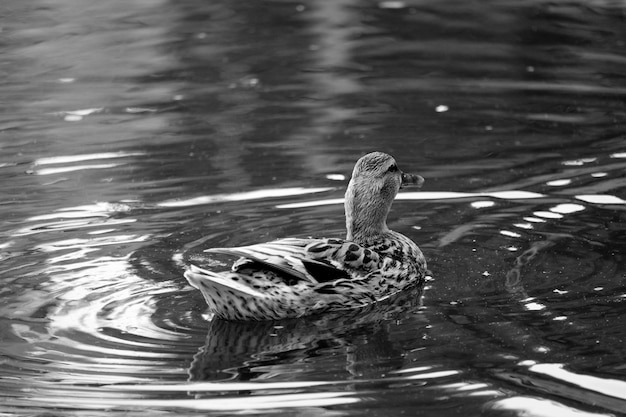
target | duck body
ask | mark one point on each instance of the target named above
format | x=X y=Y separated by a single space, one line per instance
x=295 y=277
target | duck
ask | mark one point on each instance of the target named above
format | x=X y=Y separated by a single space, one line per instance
x=295 y=277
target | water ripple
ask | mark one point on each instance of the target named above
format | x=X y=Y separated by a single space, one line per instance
x=251 y=404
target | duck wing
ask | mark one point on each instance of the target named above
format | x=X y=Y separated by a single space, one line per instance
x=297 y=258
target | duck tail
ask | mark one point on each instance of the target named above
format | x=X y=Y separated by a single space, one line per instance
x=214 y=283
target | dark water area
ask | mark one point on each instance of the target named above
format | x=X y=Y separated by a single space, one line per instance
x=133 y=135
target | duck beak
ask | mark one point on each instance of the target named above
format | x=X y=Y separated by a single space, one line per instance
x=411 y=179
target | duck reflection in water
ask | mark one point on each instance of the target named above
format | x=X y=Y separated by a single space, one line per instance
x=365 y=343
x=295 y=277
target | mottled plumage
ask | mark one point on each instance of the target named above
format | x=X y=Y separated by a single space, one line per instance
x=297 y=277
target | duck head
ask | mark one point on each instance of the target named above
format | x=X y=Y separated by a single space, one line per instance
x=374 y=185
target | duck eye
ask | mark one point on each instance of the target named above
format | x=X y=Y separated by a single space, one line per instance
x=392 y=168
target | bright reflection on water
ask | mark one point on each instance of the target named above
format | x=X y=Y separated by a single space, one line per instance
x=136 y=134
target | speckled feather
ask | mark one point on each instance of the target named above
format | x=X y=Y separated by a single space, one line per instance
x=296 y=277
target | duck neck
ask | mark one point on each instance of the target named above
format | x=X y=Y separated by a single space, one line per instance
x=366 y=213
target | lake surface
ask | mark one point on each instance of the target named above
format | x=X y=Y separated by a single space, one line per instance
x=133 y=135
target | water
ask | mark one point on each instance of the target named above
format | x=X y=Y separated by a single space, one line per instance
x=135 y=134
